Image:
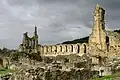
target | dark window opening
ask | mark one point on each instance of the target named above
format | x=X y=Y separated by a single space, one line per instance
x=84 y=48
x=107 y=42
x=60 y=48
x=66 y=48
x=71 y=48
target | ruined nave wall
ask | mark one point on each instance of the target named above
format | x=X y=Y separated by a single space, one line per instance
x=63 y=49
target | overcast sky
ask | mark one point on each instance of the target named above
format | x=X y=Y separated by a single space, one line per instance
x=57 y=20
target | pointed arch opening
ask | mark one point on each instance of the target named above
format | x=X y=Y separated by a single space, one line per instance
x=66 y=48
x=71 y=48
x=85 y=50
x=60 y=48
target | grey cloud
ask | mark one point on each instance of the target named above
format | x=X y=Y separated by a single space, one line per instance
x=57 y=20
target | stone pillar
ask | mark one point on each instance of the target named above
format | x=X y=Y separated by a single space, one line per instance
x=59 y=48
x=63 y=48
x=24 y=39
x=98 y=35
x=83 y=48
x=36 y=39
x=69 y=48
x=75 y=48
x=27 y=42
x=66 y=48
x=45 y=49
x=54 y=48
x=49 y=49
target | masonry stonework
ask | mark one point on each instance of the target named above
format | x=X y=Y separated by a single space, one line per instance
x=101 y=43
x=98 y=36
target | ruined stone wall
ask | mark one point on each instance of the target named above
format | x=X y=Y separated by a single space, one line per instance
x=98 y=35
x=63 y=49
x=101 y=42
x=114 y=39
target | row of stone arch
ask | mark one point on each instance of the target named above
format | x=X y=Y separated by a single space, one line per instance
x=72 y=48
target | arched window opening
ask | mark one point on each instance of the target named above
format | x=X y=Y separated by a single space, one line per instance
x=107 y=42
x=46 y=48
x=60 y=48
x=66 y=48
x=51 y=48
x=71 y=48
x=1 y=62
x=55 y=49
x=84 y=48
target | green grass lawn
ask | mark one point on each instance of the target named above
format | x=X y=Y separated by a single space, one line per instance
x=104 y=78
x=109 y=77
x=4 y=71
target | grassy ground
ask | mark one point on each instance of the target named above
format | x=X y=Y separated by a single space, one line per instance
x=115 y=76
x=4 y=71
x=104 y=78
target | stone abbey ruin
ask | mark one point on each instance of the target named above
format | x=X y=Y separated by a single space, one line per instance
x=101 y=44
x=97 y=57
